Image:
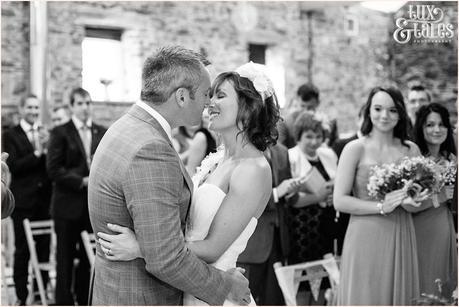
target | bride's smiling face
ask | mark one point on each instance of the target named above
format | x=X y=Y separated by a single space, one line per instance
x=223 y=107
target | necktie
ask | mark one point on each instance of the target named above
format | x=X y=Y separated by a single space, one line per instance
x=35 y=142
x=86 y=142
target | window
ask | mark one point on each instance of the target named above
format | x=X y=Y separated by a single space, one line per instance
x=351 y=26
x=257 y=53
x=273 y=60
x=103 y=64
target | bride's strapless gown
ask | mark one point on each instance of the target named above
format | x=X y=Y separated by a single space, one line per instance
x=206 y=200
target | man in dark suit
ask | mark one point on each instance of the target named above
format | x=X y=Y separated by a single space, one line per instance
x=71 y=148
x=269 y=242
x=307 y=100
x=30 y=185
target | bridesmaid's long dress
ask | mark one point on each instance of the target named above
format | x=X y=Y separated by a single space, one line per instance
x=437 y=249
x=379 y=264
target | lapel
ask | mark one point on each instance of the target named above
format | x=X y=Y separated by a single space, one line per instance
x=271 y=157
x=23 y=138
x=96 y=135
x=143 y=115
x=73 y=134
x=274 y=166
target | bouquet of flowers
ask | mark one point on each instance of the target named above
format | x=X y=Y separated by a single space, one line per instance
x=414 y=174
x=448 y=171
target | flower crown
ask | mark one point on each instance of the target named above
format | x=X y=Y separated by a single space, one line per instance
x=256 y=73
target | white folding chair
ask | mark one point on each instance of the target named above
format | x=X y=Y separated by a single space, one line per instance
x=40 y=228
x=289 y=277
x=89 y=242
x=7 y=281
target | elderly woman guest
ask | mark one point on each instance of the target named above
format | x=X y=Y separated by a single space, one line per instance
x=312 y=217
x=436 y=239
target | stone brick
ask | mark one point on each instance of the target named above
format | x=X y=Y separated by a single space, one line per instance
x=310 y=45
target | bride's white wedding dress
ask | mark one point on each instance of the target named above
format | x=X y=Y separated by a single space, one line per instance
x=207 y=199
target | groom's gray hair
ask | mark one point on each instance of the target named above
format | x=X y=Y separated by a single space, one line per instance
x=168 y=70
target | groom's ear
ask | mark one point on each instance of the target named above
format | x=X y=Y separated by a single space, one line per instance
x=181 y=96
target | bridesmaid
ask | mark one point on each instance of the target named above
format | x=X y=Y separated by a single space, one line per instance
x=435 y=234
x=379 y=262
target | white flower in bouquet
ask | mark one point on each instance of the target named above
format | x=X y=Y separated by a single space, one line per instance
x=448 y=171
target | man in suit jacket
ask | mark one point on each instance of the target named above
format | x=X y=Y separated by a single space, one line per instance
x=139 y=181
x=307 y=100
x=270 y=241
x=69 y=157
x=30 y=185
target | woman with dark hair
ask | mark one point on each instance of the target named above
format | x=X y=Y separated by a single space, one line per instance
x=379 y=260
x=203 y=143
x=436 y=239
x=232 y=186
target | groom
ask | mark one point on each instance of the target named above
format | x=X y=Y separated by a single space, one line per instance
x=137 y=180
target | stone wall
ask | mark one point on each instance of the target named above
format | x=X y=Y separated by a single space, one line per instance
x=15 y=57
x=432 y=64
x=308 y=39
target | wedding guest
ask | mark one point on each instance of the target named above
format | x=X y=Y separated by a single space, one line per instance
x=26 y=145
x=312 y=218
x=307 y=100
x=435 y=234
x=203 y=142
x=60 y=115
x=417 y=96
x=379 y=262
x=71 y=148
x=7 y=196
x=270 y=242
x=181 y=138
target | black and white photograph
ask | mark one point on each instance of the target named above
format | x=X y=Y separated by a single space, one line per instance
x=196 y=153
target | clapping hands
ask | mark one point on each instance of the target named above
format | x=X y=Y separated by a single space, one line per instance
x=5 y=172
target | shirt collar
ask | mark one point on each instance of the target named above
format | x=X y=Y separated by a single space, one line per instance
x=161 y=120
x=26 y=126
x=78 y=123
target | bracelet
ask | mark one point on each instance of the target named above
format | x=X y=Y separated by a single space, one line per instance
x=380 y=207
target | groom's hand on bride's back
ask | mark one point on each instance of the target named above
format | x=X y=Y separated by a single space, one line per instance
x=240 y=293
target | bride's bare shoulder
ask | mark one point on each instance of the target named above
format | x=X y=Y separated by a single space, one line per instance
x=252 y=169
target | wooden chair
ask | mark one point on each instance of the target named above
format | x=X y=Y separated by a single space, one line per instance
x=289 y=277
x=40 y=228
x=89 y=242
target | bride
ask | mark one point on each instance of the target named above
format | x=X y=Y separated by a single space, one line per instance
x=232 y=186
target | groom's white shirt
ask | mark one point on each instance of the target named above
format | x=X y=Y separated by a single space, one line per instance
x=161 y=120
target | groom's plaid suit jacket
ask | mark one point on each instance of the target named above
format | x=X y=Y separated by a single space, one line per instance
x=137 y=180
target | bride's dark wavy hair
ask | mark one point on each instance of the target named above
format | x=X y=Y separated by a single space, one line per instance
x=256 y=119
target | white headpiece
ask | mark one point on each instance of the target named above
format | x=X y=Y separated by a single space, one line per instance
x=256 y=73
